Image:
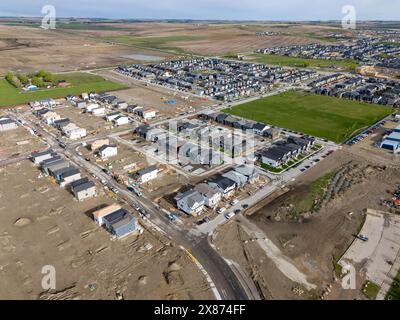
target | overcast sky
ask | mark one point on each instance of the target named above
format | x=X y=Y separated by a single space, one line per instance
x=207 y=9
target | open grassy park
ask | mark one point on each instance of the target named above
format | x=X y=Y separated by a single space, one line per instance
x=321 y=116
x=79 y=82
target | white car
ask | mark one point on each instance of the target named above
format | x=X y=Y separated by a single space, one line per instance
x=221 y=210
x=234 y=202
x=229 y=215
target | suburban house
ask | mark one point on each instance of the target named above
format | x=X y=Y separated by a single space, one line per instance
x=275 y=156
x=122 y=105
x=142 y=130
x=147 y=114
x=60 y=124
x=259 y=128
x=81 y=104
x=53 y=166
x=111 y=116
x=212 y=196
x=99 y=143
x=239 y=178
x=38 y=157
x=147 y=174
x=191 y=202
x=7 y=124
x=392 y=141
x=98 y=215
x=107 y=151
x=155 y=134
x=120 y=223
x=121 y=120
x=225 y=185
x=83 y=189
x=306 y=143
x=52 y=160
x=99 y=111
x=90 y=107
x=69 y=176
x=75 y=133
x=249 y=171
x=48 y=116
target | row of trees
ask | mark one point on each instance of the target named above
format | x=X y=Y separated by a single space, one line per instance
x=11 y=79
x=40 y=79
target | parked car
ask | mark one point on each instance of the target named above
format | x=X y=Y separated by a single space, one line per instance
x=221 y=210
x=234 y=202
x=362 y=238
x=229 y=215
x=172 y=217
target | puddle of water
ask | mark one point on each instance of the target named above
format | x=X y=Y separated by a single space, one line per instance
x=143 y=57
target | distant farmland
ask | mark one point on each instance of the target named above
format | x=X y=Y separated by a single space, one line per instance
x=79 y=82
x=321 y=116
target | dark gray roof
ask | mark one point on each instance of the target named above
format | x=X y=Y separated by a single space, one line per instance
x=259 y=126
x=71 y=172
x=42 y=153
x=223 y=182
x=54 y=164
x=274 y=153
x=79 y=182
x=146 y=170
x=60 y=172
x=116 y=216
x=54 y=158
x=83 y=186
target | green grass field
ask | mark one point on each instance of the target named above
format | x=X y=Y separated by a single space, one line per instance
x=394 y=292
x=345 y=65
x=371 y=290
x=321 y=116
x=160 y=43
x=79 y=83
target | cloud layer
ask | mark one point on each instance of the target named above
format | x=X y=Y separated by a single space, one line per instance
x=208 y=9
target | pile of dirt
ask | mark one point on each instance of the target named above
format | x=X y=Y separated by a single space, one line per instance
x=22 y=222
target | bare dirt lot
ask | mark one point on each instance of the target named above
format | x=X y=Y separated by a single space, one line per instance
x=49 y=228
x=315 y=240
x=58 y=50
x=18 y=142
x=236 y=245
x=209 y=39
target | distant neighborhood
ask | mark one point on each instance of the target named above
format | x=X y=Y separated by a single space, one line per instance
x=217 y=78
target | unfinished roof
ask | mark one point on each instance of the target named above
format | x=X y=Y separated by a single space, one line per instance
x=106 y=211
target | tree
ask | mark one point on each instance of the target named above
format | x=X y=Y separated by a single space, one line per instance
x=23 y=78
x=48 y=77
x=37 y=82
x=11 y=80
